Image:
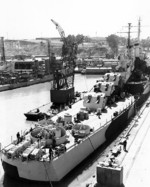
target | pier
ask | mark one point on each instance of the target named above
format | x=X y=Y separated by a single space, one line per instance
x=131 y=167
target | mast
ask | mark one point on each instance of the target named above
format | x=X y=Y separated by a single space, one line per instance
x=137 y=46
x=49 y=55
x=139 y=29
x=129 y=41
x=129 y=32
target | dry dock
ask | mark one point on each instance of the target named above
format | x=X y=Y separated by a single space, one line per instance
x=134 y=165
x=137 y=160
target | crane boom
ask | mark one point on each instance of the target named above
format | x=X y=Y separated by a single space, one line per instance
x=62 y=88
x=59 y=28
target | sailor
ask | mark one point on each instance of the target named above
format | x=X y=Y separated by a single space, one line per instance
x=54 y=142
x=18 y=137
x=50 y=135
x=99 y=113
x=38 y=141
x=110 y=163
x=37 y=111
x=21 y=138
x=50 y=153
x=70 y=106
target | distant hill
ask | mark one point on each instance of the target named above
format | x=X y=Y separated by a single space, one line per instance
x=29 y=47
x=39 y=47
x=97 y=38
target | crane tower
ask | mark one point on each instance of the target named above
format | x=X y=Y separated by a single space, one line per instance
x=62 y=89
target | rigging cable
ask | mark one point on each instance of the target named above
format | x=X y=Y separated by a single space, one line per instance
x=40 y=106
x=91 y=143
x=48 y=175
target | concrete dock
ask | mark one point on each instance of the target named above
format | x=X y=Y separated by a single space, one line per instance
x=135 y=161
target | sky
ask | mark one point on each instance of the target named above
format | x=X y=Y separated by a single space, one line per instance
x=29 y=19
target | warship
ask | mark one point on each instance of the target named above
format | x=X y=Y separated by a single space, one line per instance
x=55 y=146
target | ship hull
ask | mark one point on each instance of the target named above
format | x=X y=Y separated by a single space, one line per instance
x=143 y=97
x=120 y=122
x=59 y=167
x=135 y=88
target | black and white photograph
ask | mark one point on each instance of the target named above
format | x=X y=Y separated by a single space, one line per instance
x=74 y=93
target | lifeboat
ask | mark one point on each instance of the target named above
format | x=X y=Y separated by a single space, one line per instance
x=36 y=115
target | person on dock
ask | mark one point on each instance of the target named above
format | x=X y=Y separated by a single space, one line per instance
x=124 y=143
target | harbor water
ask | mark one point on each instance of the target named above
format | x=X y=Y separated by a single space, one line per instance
x=13 y=105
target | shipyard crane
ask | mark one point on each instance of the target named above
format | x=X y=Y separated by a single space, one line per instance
x=62 y=88
x=69 y=48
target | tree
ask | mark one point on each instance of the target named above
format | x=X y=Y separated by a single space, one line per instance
x=113 y=42
x=70 y=46
x=87 y=39
x=122 y=41
x=145 y=42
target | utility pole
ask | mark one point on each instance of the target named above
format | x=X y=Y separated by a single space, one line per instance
x=3 y=59
x=49 y=55
x=129 y=31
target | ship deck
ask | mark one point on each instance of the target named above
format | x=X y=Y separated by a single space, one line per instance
x=95 y=122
